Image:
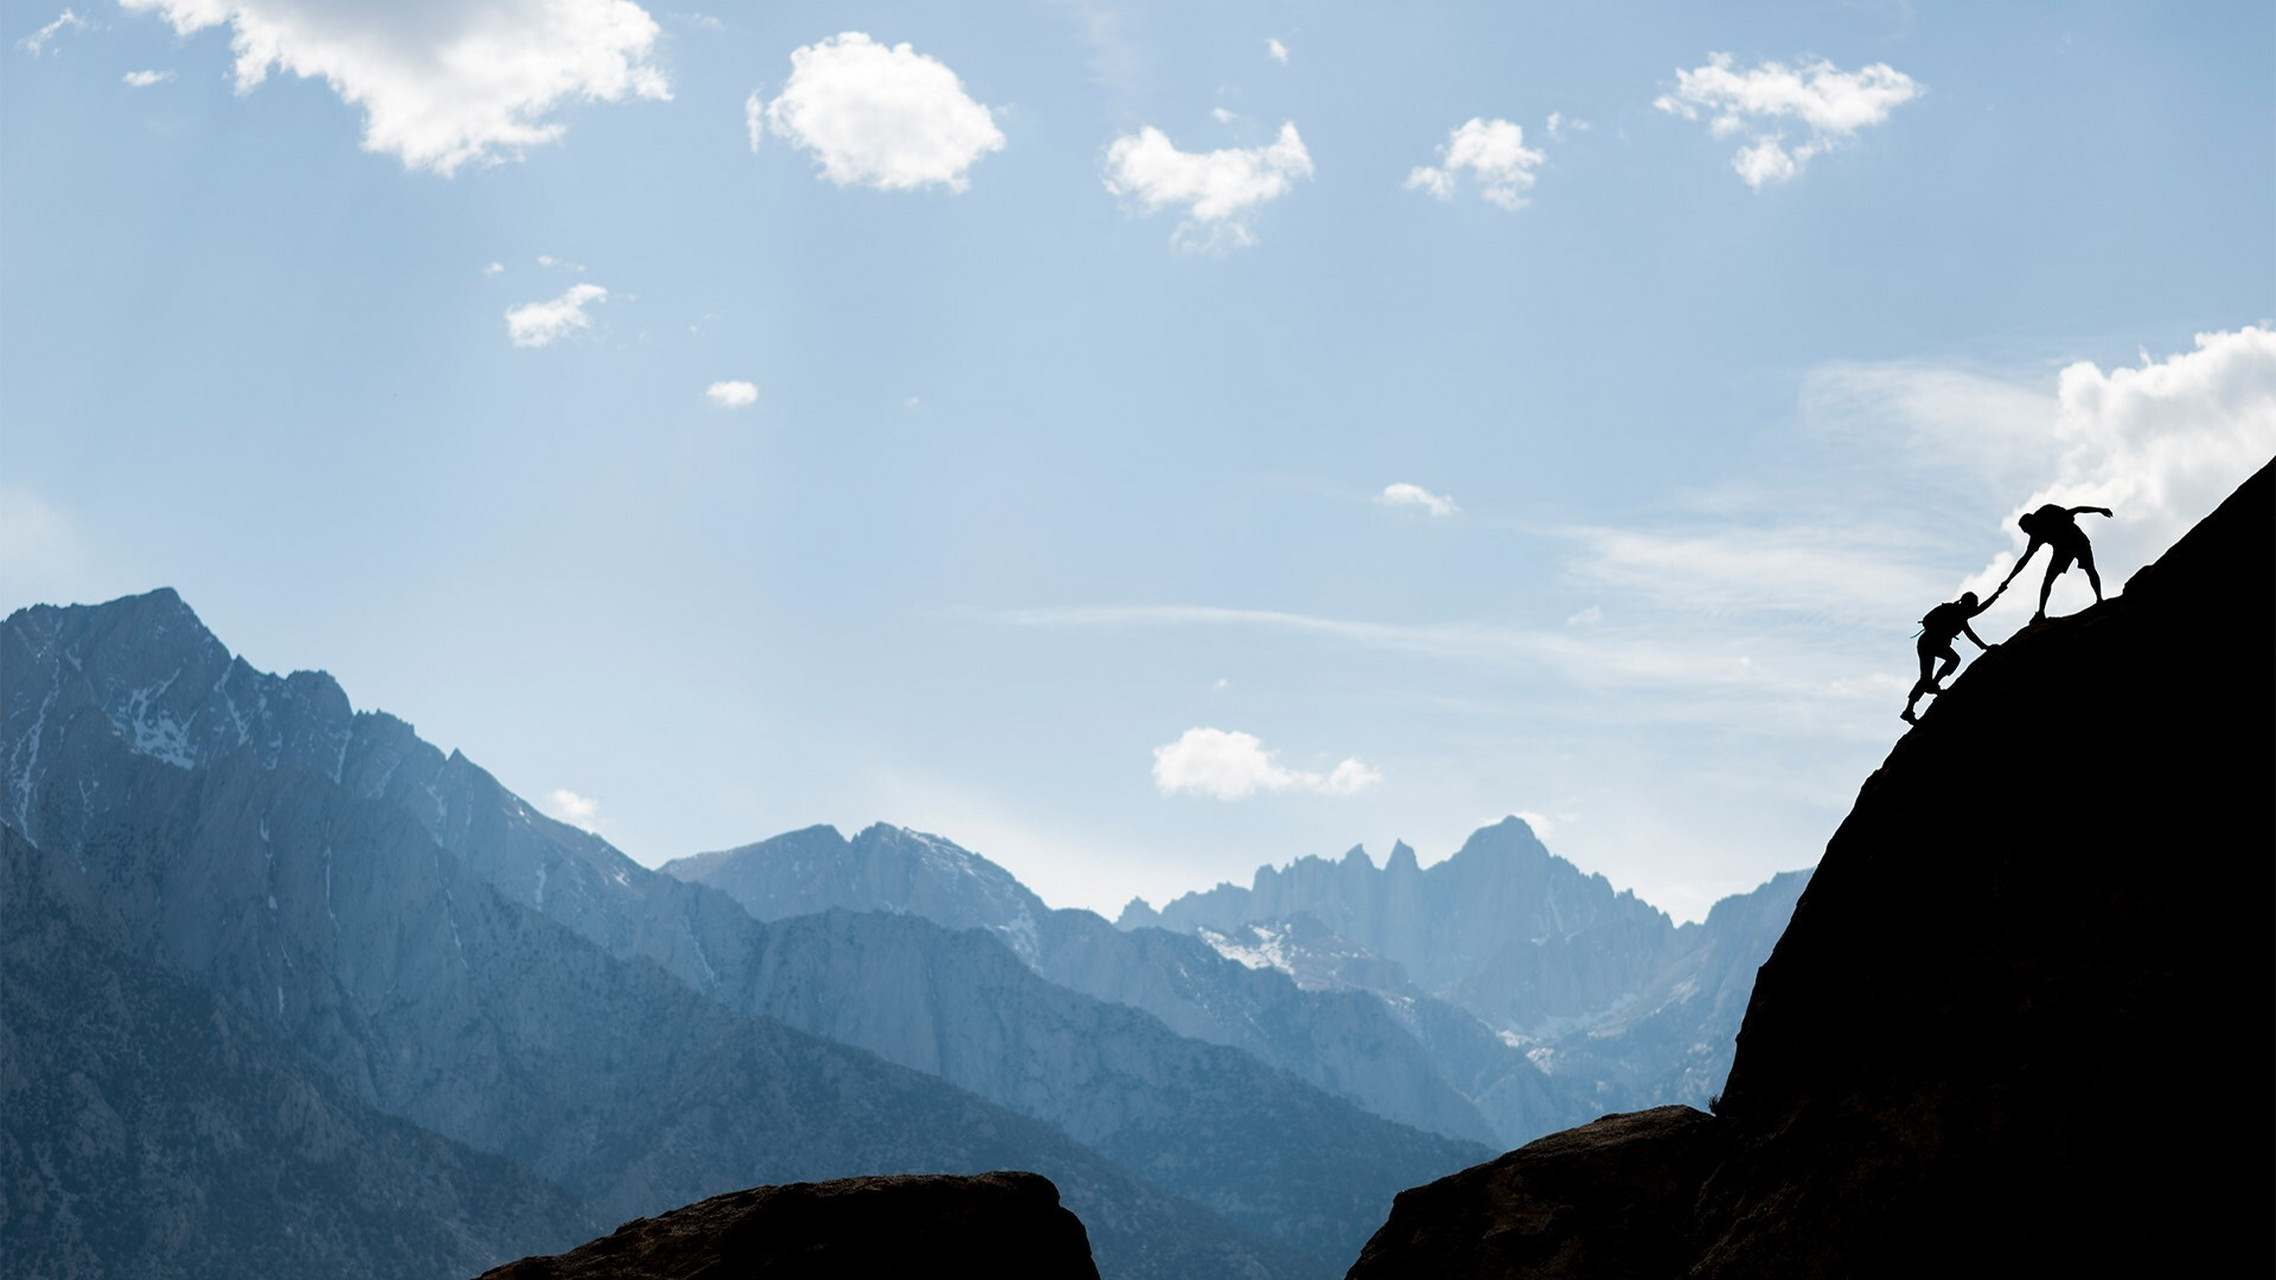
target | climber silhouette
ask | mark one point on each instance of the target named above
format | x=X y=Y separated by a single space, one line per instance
x=1939 y=627
x=2057 y=527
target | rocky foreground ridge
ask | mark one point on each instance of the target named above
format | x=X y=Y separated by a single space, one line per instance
x=2020 y=1021
x=1007 y=1225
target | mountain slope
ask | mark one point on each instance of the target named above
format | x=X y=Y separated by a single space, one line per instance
x=147 y=1128
x=2021 y=1015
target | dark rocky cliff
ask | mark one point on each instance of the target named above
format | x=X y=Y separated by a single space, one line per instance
x=2021 y=1020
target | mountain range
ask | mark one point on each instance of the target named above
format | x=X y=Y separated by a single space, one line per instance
x=382 y=977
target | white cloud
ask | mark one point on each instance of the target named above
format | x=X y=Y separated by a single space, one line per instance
x=1494 y=152
x=145 y=79
x=1230 y=765
x=36 y=43
x=2161 y=445
x=1276 y=51
x=1219 y=190
x=495 y=268
x=537 y=324
x=1222 y=116
x=442 y=85
x=755 y=120
x=574 y=809
x=732 y=394
x=1829 y=105
x=1403 y=494
x=879 y=116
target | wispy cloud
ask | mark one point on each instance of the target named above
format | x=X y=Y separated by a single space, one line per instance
x=145 y=79
x=1788 y=612
x=1275 y=50
x=538 y=324
x=37 y=42
x=1403 y=494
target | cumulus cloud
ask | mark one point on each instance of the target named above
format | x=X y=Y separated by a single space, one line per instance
x=732 y=394
x=1494 y=153
x=755 y=119
x=1276 y=51
x=1218 y=190
x=878 y=116
x=574 y=809
x=1403 y=494
x=442 y=85
x=2160 y=444
x=1828 y=105
x=1230 y=765
x=36 y=43
x=538 y=324
x=145 y=79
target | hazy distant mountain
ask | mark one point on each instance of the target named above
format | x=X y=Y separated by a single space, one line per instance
x=1504 y=928
x=396 y=914
x=881 y=869
x=1345 y=1042
x=1626 y=1008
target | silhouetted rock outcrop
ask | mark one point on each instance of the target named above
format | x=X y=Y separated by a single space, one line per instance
x=1006 y=1225
x=2021 y=1018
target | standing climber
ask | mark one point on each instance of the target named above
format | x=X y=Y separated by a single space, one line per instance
x=1938 y=629
x=2058 y=528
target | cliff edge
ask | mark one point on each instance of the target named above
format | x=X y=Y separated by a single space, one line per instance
x=2022 y=1016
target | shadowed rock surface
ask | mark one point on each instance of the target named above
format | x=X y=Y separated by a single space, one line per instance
x=2021 y=1015
x=991 y=1224
x=1592 y=1201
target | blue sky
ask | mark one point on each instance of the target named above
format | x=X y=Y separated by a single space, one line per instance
x=1137 y=442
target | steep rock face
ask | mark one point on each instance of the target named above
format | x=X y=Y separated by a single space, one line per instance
x=2022 y=1014
x=990 y=1224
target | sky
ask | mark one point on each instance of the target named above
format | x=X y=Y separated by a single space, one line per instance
x=1135 y=441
